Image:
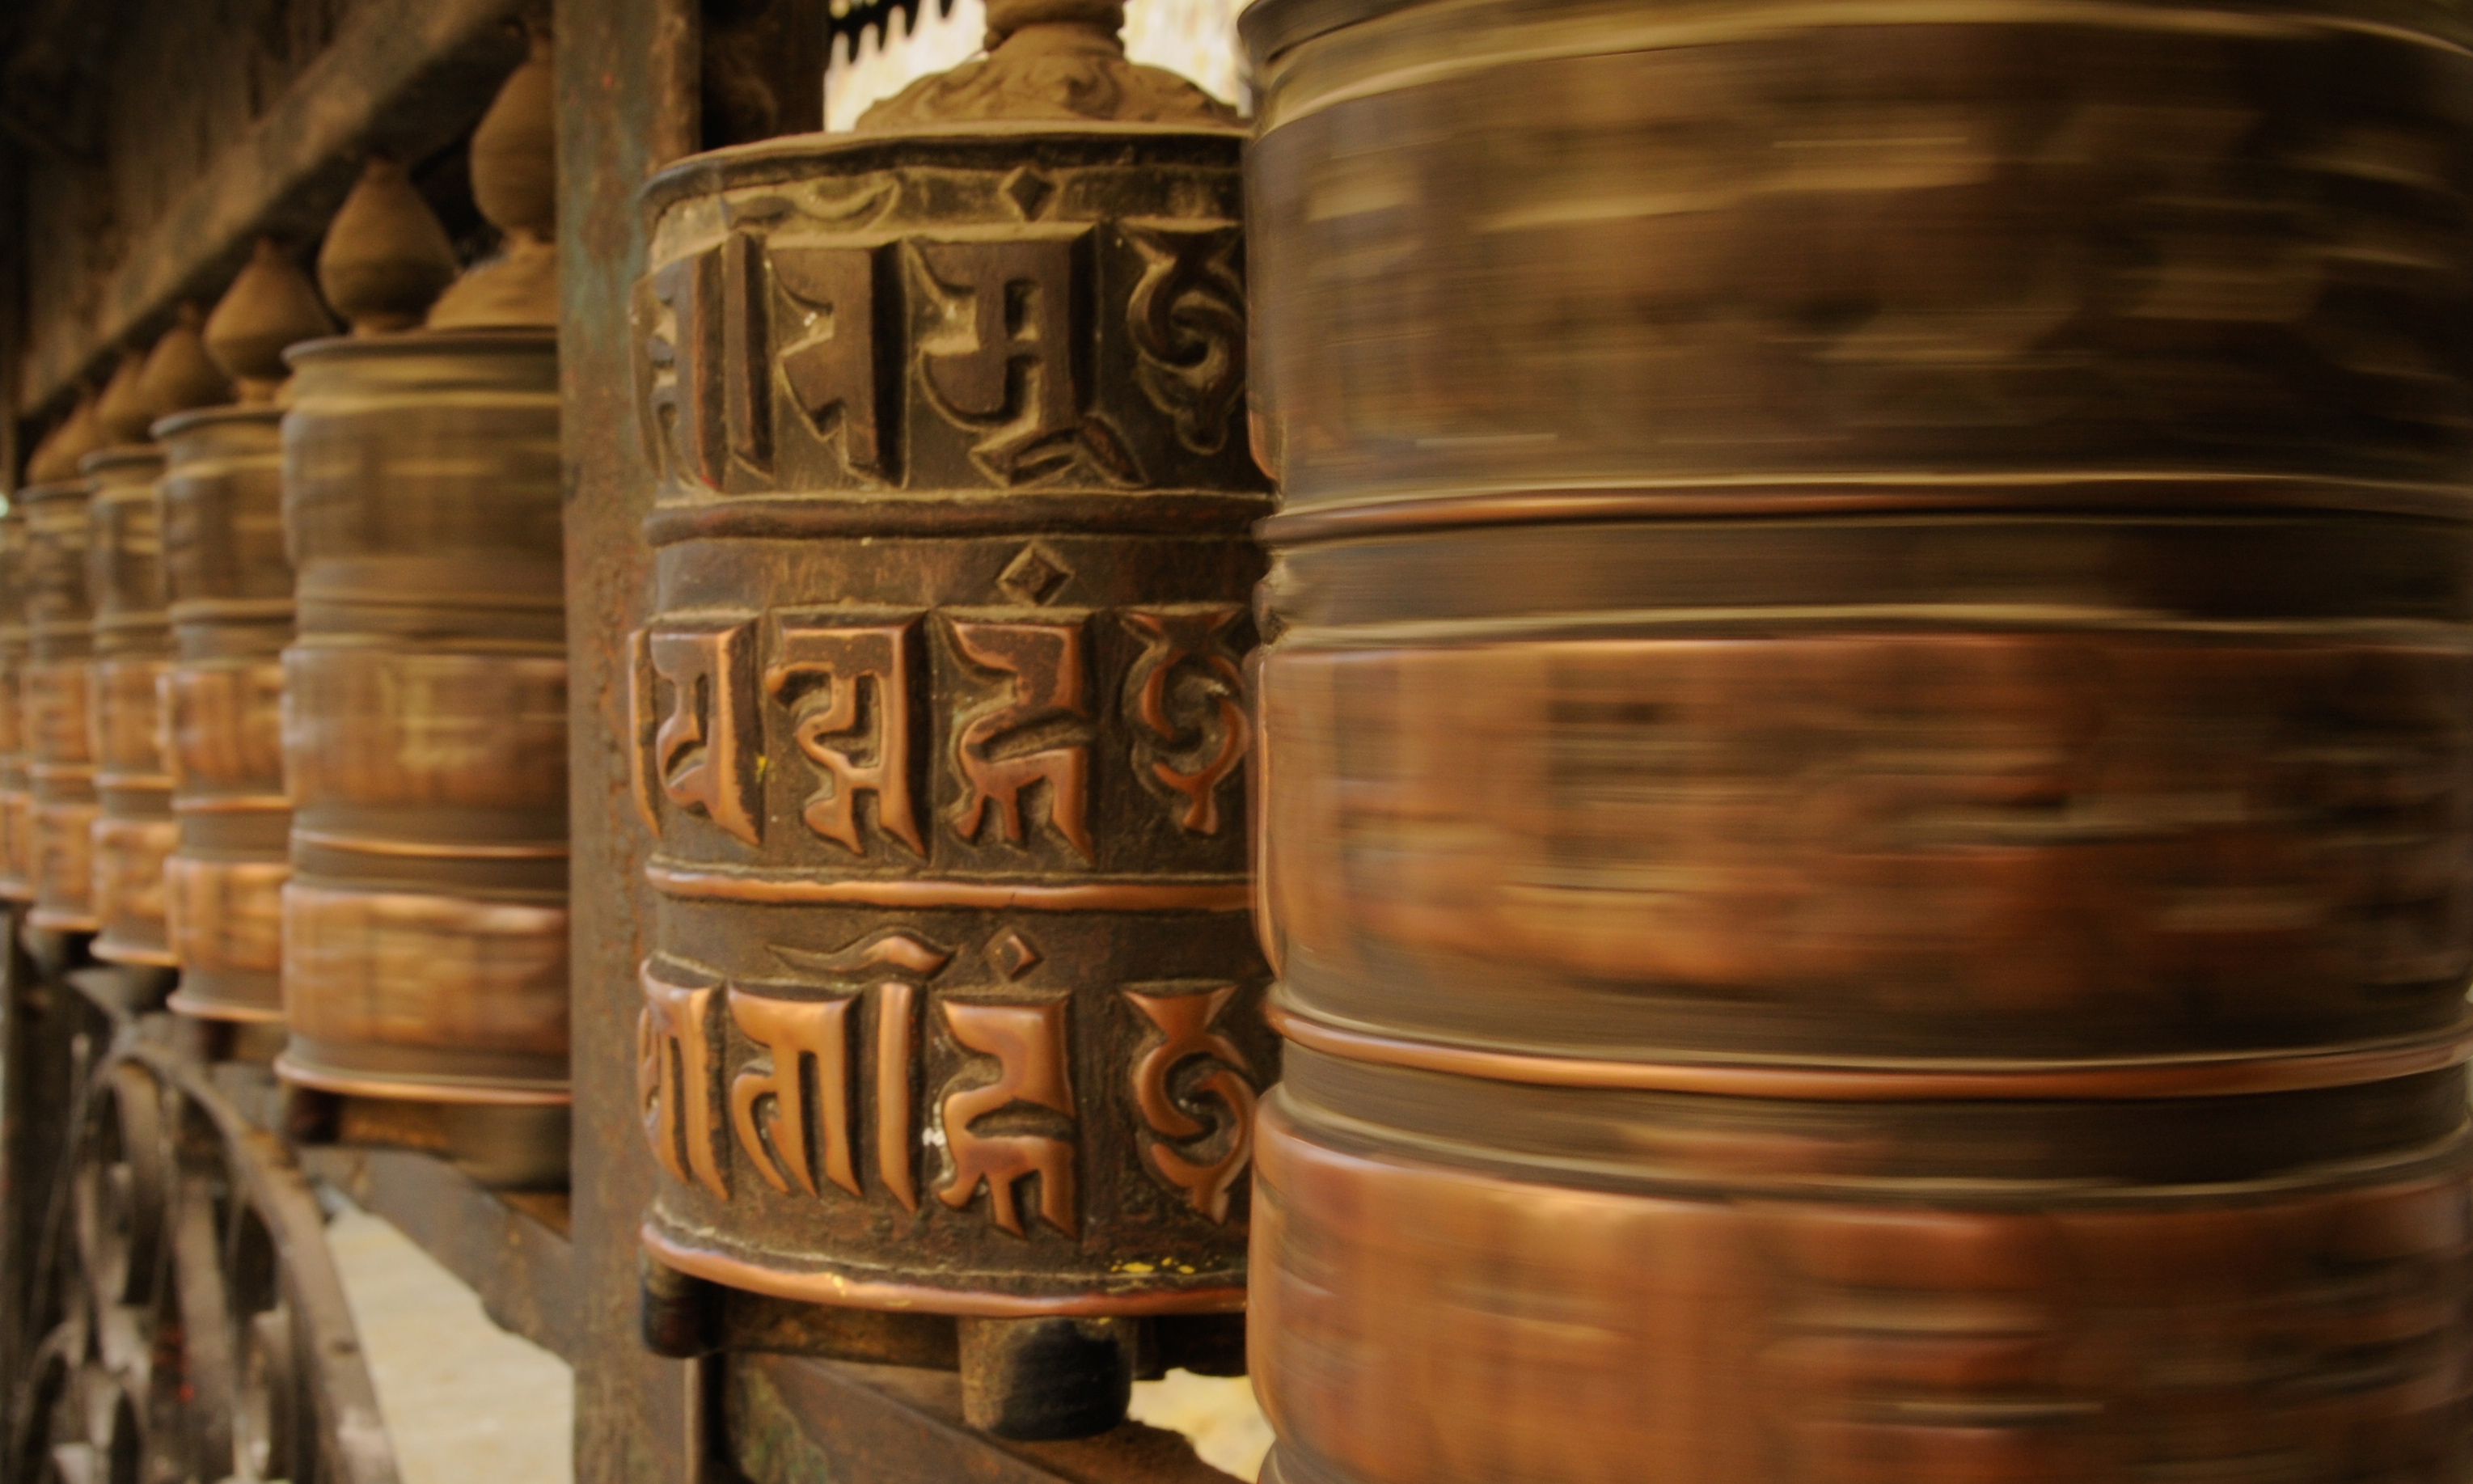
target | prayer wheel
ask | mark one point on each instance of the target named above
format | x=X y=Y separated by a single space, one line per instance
x=133 y=829
x=59 y=641
x=424 y=693
x=228 y=583
x=1868 y=756
x=424 y=734
x=229 y=593
x=939 y=717
x=16 y=807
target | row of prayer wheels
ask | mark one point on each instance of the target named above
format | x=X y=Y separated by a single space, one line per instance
x=288 y=704
x=1855 y=798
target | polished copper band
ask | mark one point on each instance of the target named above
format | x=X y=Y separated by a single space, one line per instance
x=1898 y=1081
x=869 y=1293
x=1138 y=896
x=381 y=844
x=183 y=1002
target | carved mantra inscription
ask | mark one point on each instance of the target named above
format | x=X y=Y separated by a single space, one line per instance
x=992 y=335
x=816 y=1053
x=849 y=696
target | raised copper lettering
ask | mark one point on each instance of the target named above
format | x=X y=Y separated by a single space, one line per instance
x=1037 y=734
x=677 y=1065
x=853 y=685
x=746 y=358
x=769 y=1107
x=831 y=370
x=895 y=1040
x=1029 y=1044
x=1187 y=321
x=1185 y=697
x=1004 y=359
x=695 y=753
x=1185 y=1020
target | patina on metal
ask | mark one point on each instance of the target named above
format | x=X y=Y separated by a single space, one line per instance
x=425 y=735
x=60 y=633
x=227 y=586
x=939 y=720
x=1869 y=752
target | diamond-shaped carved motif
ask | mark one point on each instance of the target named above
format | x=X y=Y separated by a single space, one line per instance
x=1028 y=190
x=1013 y=955
x=1034 y=574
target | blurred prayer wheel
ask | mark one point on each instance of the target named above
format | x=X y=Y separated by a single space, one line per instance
x=424 y=719
x=230 y=590
x=1868 y=757
x=17 y=806
x=134 y=830
x=939 y=720
x=59 y=766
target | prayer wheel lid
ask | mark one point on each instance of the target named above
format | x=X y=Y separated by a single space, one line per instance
x=180 y=375
x=121 y=414
x=386 y=257
x=514 y=182
x=271 y=305
x=1270 y=27
x=55 y=459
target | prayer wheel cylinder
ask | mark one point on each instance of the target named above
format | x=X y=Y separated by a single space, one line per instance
x=424 y=720
x=228 y=585
x=939 y=725
x=17 y=806
x=60 y=752
x=1868 y=746
x=133 y=832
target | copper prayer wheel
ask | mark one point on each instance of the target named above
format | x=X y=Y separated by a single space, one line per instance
x=17 y=806
x=424 y=724
x=134 y=830
x=228 y=586
x=939 y=720
x=1868 y=757
x=59 y=766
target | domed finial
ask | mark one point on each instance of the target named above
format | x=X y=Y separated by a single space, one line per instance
x=178 y=374
x=514 y=182
x=269 y=308
x=57 y=457
x=1051 y=59
x=121 y=415
x=386 y=257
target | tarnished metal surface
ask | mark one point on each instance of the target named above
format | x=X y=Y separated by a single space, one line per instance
x=939 y=720
x=229 y=584
x=1869 y=757
x=59 y=766
x=425 y=734
x=133 y=831
x=16 y=803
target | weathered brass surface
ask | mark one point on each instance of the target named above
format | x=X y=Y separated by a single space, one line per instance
x=424 y=734
x=939 y=720
x=1868 y=757
x=134 y=830
x=16 y=803
x=60 y=767
x=229 y=584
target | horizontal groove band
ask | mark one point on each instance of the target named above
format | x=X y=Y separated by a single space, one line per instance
x=182 y=1002
x=233 y=804
x=865 y=1293
x=1701 y=500
x=1093 y=513
x=379 y=845
x=425 y=1090
x=981 y=895
x=2203 y=1076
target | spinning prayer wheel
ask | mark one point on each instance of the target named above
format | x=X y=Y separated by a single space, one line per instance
x=1868 y=755
x=228 y=586
x=939 y=720
x=59 y=634
x=17 y=806
x=424 y=731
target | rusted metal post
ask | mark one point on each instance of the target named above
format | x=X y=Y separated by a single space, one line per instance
x=1869 y=752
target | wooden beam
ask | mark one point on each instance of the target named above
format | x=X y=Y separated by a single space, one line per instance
x=405 y=77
